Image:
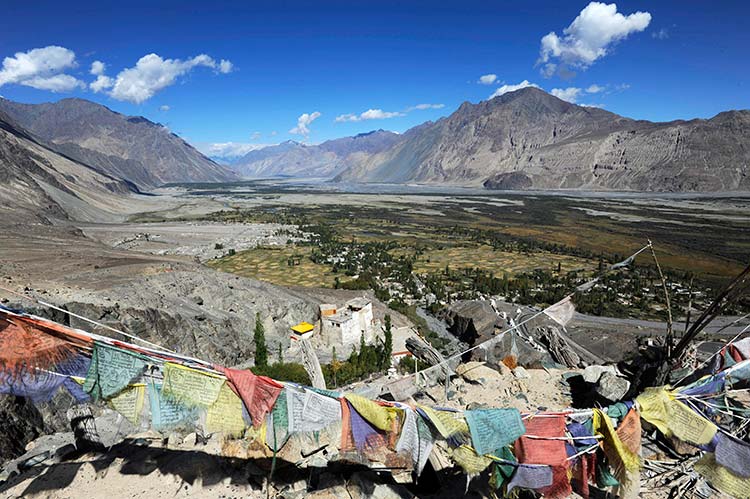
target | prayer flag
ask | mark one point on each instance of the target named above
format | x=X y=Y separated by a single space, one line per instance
x=112 y=370
x=492 y=429
x=225 y=414
x=167 y=414
x=191 y=387
x=129 y=402
x=258 y=393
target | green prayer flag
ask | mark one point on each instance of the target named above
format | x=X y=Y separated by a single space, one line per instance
x=111 y=371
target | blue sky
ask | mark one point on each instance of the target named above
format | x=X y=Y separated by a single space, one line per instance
x=254 y=72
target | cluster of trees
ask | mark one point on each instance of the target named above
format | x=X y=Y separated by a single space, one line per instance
x=284 y=371
x=369 y=359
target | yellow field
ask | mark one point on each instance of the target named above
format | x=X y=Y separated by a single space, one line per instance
x=498 y=262
x=270 y=264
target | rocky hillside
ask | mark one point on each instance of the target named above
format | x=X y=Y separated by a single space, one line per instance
x=323 y=160
x=128 y=147
x=530 y=139
x=38 y=185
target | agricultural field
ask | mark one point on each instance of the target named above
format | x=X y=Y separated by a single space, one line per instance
x=284 y=265
x=498 y=262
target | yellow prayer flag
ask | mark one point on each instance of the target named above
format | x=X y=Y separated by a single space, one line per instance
x=652 y=404
x=721 y=478
x=469 y=460
x=447 y=423
x=688 y=425
x=379 y=416
x=129 y=402
x=673 y=418
x=613 y=446
x=225 y=415
x=189 y=386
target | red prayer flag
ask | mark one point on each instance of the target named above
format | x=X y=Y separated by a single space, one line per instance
x=551 y=452
x=259 y=393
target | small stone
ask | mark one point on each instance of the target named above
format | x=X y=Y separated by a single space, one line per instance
x=174 y=441
x=521 y=373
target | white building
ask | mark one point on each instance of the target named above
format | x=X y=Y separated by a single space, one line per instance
x=344 y=327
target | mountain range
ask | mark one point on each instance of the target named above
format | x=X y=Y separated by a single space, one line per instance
x=529 y=139
x=128 y=147
x=293 y=159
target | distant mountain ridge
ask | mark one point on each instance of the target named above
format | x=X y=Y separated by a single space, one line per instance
x=129 y=147
x=531 y=139
x=327 y=159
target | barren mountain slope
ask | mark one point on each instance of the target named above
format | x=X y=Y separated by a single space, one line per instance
x=129 y=147
x=38 y=185
x=530 y=139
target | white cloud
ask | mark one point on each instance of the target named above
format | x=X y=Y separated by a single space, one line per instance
x=569 y=94
x=662 y=34
x=379 y=114
x=589 y=36
x=225 y=66
x=422 y=107
x=598 y=106
x=370 y=114
x=512 y=88
x=56 y=83
x=594 y=89
x=228 y=149
x=101 y=83
x=487 y=79
x=152 y=73
x=255 y=136
x=303 y=123
x=164 y=108
x=97 y=68
x=41 y=68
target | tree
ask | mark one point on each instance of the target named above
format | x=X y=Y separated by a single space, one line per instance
x=387 y=343
x=281 y=354
x=259 y=337
x=335 y=366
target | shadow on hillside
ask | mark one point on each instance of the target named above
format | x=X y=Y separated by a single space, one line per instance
x=193 y=466
x=198 y=467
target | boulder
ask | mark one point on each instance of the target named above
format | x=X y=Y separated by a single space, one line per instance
x=477 y=372
x=471 y=320
x=612 y=387
x=592 y=373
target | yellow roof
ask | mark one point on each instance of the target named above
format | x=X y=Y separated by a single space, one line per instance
x=303 y=327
